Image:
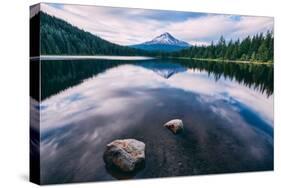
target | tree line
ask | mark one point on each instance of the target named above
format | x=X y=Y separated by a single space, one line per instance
x=256 y=48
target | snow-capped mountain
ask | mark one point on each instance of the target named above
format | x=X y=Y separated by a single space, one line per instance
x=167 y=38
x=164 y=42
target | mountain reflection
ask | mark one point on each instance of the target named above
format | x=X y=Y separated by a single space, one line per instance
x=164 y=69
x=58 y=75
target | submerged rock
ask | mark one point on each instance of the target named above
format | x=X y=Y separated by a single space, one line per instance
x=175 y=125
x=127 y=155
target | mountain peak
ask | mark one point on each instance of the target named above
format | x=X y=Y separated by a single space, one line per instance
x=167 y=39
x=163 y=42
x=166 y=34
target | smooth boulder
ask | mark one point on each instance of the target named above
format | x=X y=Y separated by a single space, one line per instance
x=175 y=125
x=127 y=155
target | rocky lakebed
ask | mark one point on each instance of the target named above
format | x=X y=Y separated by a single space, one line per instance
x=128 y=155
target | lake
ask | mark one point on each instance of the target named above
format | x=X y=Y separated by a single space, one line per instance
x=226 y=108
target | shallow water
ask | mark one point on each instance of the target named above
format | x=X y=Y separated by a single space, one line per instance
x=227 y=110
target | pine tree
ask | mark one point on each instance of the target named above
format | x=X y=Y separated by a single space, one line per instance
x=263 y=52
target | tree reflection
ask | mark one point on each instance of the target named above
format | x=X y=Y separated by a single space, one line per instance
x=58 y=75
x=256 y=76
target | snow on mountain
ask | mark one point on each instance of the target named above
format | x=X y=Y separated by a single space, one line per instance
x=164 y=42
x=166 y=38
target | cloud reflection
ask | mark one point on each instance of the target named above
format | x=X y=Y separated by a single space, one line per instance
x=135 y=101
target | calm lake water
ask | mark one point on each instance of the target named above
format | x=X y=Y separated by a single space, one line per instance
x=227 y=111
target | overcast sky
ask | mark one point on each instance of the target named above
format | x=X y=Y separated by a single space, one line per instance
x=132 y=26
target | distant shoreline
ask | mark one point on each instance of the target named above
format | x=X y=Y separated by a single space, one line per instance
x=111 y=57
x=85 y=57
x=227 y=61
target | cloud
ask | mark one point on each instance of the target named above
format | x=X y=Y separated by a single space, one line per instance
x=199 y=43
x=250 y=25
x=212 y=90
x=131 y=26
x=203 y=30
x=107 y=22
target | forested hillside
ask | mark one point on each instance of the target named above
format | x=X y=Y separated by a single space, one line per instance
x=256 y=48
x=61 y=38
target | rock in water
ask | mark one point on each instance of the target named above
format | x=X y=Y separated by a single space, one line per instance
x=127 y=155
x=175 y=125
